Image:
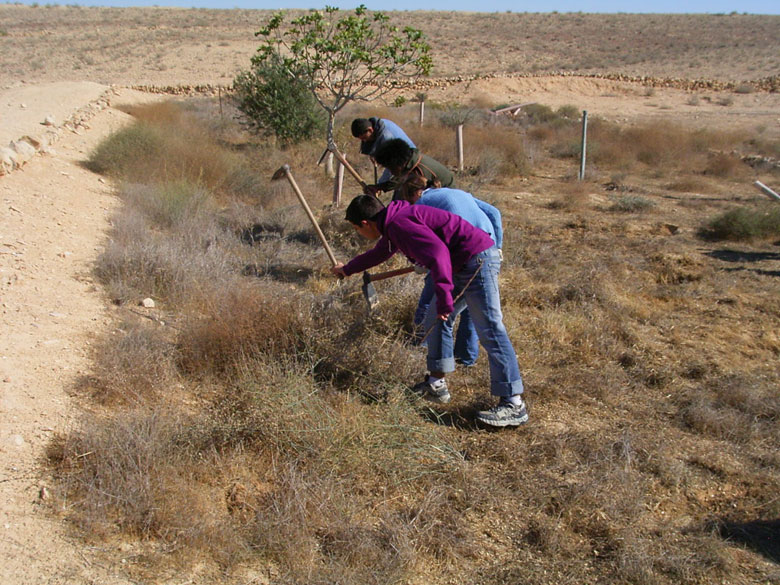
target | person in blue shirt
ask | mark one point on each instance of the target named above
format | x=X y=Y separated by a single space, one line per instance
x=480 y=214
x=373 y=133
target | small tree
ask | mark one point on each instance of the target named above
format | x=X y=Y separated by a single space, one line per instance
x=276 y=101
x=353 y=58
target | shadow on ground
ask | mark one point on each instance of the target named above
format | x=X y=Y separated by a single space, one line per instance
x=740 y=256
x=761 y=536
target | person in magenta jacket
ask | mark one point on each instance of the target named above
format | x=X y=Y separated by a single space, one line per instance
x=464 y=263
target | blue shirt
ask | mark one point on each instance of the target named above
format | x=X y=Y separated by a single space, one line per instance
x=384 y=130
x=478 y=213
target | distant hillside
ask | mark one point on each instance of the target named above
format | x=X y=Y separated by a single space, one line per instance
x=165 y=46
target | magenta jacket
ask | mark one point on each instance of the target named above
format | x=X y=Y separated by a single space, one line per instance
x=437 y=239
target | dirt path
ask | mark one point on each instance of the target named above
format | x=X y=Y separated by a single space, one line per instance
x=53 y=220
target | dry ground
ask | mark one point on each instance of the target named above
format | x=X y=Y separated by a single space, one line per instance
x=53 y=214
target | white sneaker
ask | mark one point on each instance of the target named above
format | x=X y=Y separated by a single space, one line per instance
x=436 y=392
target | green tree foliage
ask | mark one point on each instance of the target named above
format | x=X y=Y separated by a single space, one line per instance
x=339 y=59
x=276 y=101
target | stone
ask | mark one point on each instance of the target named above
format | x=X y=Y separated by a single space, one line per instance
x=148 y=303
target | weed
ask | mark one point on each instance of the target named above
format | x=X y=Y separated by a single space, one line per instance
x=574 y=197
x=631 y=204
x=743 y=223
x=724 y=165
x=134 y=362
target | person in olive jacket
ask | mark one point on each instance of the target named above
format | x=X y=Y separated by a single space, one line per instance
x=404 y=161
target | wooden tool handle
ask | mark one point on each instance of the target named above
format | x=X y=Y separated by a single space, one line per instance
x=391 y=273
x=348 y=166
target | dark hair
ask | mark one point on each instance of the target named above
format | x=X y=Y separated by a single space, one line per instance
x=413 y=183
x=360 y=125
x=394 y=153
x=363 y=207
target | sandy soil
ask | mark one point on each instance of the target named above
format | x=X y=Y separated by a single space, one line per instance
x=53 y=221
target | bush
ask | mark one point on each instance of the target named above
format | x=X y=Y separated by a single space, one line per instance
x=631 y=204
x=115 y=155
x=168 y=144
x=744 y=224
x=278 y=103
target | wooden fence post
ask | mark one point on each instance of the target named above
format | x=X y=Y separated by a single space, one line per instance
x=338 y=184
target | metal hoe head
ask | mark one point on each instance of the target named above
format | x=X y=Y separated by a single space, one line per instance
x=369 y=291
x=280 y=173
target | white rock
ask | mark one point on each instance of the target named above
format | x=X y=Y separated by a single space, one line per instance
x=48 y=121
x=24 y=151
x=148 y=303
x=6 y=160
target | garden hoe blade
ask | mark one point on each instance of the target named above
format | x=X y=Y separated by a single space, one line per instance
x=368 y=287
x=369 y=292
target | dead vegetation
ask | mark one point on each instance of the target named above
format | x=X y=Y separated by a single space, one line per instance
x=53 y=42
x=257 y=418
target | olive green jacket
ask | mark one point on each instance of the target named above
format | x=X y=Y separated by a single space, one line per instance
x=435 y=173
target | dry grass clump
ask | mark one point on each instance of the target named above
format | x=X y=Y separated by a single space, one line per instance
x=742 y=223
x=630 y=204
x=142 y=262
x=242 y=320
x=133 y=363
x=167 y=145
x=574 y=197
x=130 y=473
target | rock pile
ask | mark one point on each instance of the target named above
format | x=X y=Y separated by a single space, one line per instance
x=767 y=84
x=18 y=152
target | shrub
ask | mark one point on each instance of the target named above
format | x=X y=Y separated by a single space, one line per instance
x=630 y=204
x=742 y=223
x=454 y=116
x=115 y=155
x=168 y=144
x=168 y=204
x=542 y=114
x=132 y=363
x=276 y=102
x=723 y=165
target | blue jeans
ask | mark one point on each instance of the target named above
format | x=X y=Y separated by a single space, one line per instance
x=466 y=348
x=484 y=304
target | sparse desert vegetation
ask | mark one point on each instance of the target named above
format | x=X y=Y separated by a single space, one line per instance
x=253 y=425
x=216 y=44
x=257 y=416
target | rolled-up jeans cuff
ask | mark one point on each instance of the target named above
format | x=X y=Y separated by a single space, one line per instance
x=506 y=389
x=445 y=365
